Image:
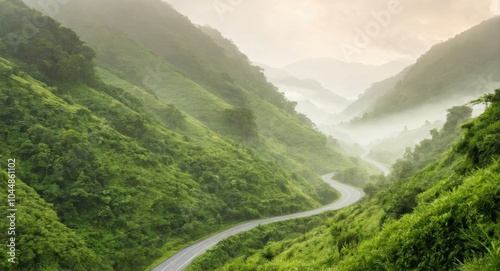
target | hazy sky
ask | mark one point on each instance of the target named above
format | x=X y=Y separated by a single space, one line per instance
x=279 y=32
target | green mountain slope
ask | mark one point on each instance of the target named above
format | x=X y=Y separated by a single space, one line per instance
x=123 y=177
x=368 y=99
x=388 y=150
x=438 y=210
x=106 y=185
x=42 y=241
x=450 y=73
x=151 y=46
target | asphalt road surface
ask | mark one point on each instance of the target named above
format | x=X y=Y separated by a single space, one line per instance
x=180 y=260
x=375 y=163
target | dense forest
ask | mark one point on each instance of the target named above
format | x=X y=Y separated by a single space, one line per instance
x=113 y=174
x=437 y=210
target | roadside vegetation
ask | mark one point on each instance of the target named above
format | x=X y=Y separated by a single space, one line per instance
x=437 y=210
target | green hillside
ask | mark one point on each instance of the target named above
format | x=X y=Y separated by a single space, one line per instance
x=113 y=178
x=108 y=172
x=388 y=150
x=459 y=69
x=438 y=210
x=368 y=99
x=151 y=46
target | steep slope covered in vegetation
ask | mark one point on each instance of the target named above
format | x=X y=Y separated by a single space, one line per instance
x=388 y=150
x=119 y=178
x=443 y=215
x=108 y=173
x=366 y=102
x=151 y=46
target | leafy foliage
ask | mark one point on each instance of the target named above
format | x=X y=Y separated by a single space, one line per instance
x=481 y=137
x=42 y=241
x=355 y=176
x=241 y=122
x=49 y=52
x=429 y=150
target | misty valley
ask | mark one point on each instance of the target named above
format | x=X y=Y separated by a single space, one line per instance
x=243 y=135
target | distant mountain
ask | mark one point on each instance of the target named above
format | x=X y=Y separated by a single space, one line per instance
x=313 y=99
x=390 y=149
x=345 y=79
x=450 y=73
x=368 y=99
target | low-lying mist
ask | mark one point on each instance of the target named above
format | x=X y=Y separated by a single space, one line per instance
x=393 y=134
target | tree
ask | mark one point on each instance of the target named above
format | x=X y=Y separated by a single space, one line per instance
x=173 y=117
x=356 y=176
x=455 y=116
x=241 y=122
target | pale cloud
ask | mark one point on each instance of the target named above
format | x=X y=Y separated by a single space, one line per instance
x=495 y=7
x=278 y=32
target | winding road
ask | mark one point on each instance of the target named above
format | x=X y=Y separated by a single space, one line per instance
x=384 y=169
x=180 y=260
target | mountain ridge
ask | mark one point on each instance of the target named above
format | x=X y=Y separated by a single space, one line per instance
x=345 y=79
x=448 y=71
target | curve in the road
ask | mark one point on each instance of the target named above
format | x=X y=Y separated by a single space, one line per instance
x=384 y=169
x=180 y=260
